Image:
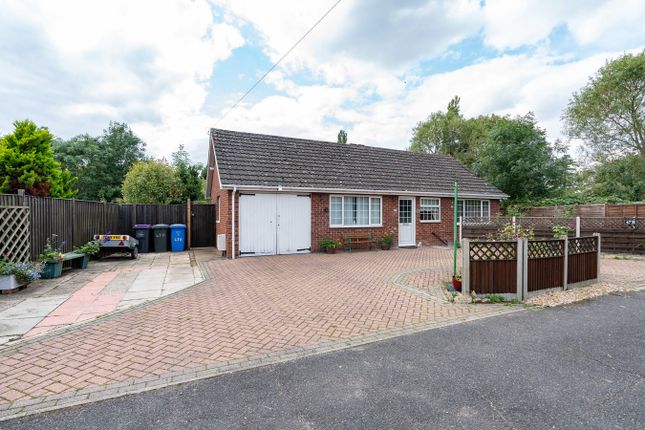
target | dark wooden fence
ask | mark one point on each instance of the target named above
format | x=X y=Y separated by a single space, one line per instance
x=74 y=222
x=620 y=234
x=493 y=267
x=545 y=264
x=522 y=268
x=583 y=259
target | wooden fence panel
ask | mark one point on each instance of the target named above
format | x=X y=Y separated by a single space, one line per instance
x=493 y=267
x=582 y=260
x=545 y=264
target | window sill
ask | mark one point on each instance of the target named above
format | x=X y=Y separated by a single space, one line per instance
x=357 y=226
x=430 y=222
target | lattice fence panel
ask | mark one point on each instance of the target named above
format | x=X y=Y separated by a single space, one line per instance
x=583 y=245
x=14 y=233
x=490 y=251
x=545 y=248
x=613 y=223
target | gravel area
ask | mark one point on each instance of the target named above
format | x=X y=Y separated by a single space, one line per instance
x=557 y=298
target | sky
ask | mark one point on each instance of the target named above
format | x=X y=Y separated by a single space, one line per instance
x=375 y=68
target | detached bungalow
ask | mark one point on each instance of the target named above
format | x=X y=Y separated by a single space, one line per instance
x=280 y=195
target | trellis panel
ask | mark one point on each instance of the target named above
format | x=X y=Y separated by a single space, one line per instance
x=14 y=233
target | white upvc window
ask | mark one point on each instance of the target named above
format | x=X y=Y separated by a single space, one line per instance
x=355 y=211
x=217 y=210
x=429 y=209
x=474 y=208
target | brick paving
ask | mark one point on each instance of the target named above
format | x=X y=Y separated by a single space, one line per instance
x=253 y=312
x=254 y=309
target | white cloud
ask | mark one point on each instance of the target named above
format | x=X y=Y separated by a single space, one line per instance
x=511 y=85
x=84 y=63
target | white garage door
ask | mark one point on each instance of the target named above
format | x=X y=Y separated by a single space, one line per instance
x=274 y=224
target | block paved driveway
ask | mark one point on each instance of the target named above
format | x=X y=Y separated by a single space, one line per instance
x=254 y=311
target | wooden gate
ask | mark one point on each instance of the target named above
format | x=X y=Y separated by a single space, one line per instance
x=202 y=225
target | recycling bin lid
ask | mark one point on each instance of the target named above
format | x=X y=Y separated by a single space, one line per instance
x=143 y=226
x=178 y=226
x=160 y=226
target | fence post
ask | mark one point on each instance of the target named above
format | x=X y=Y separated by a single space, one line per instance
x=461 y=229
x=465 y=267
x=566 y=262
x=513 y=221
x=577 y=226
x=519 y=287
x=188 y=223
x=598 y=256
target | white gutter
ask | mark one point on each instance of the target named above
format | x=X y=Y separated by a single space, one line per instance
x=360 y=191
x=233 y=224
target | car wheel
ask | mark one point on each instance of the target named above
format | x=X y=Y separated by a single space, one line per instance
x=135 y=252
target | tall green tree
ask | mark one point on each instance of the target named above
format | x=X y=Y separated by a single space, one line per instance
x=620 y=178
x=27 y=162
x=451 y=133
x=81 y=155
x=101 y=163
x=519 y=160
x=189 y=176
x=151 y=182
x=342 y=136
x=608 y=114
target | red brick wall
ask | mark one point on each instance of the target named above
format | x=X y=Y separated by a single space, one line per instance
x=320 y=219
x=224 y=224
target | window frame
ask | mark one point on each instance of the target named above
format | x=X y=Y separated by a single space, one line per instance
x=369 y=211
x=437 y=206
x=218 y=203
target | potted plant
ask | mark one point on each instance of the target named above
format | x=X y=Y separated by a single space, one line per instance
x=329 y=245
x=387 y=240
x=14 y=275
x=456 y=282
x=52 y=259
x=90 y=248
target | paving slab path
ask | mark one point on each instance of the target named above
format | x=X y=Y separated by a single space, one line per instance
x=107 y=285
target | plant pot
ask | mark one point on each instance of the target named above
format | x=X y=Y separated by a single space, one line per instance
x=330 y=250
x=386 y=246
x=456 y=283
x=52 y=270
x=81 y=263
x=9 y=282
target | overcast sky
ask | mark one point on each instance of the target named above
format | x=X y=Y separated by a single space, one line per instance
x=375 y=68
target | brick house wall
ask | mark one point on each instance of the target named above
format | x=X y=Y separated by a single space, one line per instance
x=321 y=229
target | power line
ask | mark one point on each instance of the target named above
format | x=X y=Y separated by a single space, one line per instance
x=277 y=62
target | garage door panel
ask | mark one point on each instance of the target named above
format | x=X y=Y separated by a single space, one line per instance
x=257 y=232
x=294 y=223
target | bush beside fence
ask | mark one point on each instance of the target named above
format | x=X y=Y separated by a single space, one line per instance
x=522 y=268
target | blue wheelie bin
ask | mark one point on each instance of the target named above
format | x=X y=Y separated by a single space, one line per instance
x=177 y=237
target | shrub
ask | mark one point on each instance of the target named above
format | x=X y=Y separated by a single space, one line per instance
x=90 y=248
x=328 y=243
x=52 y=252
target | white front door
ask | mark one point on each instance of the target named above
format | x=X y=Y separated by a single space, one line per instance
x=274 y=223
x=407 y=233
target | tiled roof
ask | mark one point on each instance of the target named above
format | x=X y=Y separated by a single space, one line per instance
x=248 y=159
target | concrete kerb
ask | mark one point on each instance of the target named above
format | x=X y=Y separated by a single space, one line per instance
x=88 y=395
